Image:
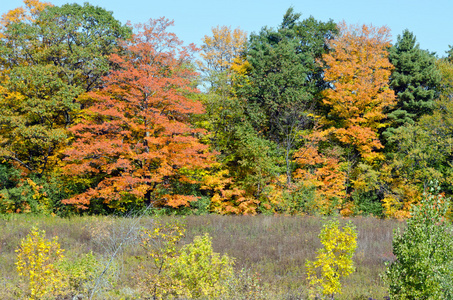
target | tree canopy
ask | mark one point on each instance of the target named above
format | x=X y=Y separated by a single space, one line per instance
x=309 y=117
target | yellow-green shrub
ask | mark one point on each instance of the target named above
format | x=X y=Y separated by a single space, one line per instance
x=192 y=271
x=333 y=261
x=81 y=273
x=201 y=271
x=36 y=264
x=160 y=244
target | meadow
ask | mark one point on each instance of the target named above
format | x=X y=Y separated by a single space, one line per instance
x=271 y=249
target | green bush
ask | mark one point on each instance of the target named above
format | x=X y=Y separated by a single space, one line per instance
x=367 y=203
x=424 y=253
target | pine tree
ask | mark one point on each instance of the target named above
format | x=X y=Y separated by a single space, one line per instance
x=285 y=80
x=415 y=80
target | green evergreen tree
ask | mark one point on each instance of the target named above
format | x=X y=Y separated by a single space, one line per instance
x=415 y=80
x=449 y=53
x=284 y=75
x=285 y=79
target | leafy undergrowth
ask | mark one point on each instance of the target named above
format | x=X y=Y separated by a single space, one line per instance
x=269 y=253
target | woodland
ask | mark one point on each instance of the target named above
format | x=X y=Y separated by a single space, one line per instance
x=266 y=165
x=309 y=118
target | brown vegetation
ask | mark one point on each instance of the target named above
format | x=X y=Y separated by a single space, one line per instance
x=275 y=247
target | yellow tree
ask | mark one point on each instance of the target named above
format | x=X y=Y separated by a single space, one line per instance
x=18 y=15
x=221 y=50
x=334 y=260
x=358 y=71
x=28 y=13
x=223 y=55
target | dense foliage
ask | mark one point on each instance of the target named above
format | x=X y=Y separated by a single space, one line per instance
x=423 y=269
x=309 y=117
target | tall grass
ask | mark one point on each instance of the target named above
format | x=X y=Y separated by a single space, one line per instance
x=275 y=247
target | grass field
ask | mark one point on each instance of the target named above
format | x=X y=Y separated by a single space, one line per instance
x=274 y=248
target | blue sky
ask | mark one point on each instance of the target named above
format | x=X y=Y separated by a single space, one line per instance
x=431 y=21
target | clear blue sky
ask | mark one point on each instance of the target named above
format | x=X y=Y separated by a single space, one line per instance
x=431 y=21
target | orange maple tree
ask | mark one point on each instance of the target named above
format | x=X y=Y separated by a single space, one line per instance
x=136 y=134
x=358 y=72
x=324 y=171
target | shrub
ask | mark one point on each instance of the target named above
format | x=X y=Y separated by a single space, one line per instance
x=36 y=264
x=200 y=271
x=160 y=245
x=367 y=203
x=191 y=271
x=333 y=261
x=81 y=273
x=424 y=253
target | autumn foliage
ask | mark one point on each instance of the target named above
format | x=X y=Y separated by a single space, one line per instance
x=323 y=170
x=358 y=70
x=309 y=117
x=29 y=13
x=223 y=49
x=137 y=135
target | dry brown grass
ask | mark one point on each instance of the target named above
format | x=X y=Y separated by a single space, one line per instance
x=276 y=247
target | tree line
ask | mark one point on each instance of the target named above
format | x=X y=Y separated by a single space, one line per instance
x=309 y=117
